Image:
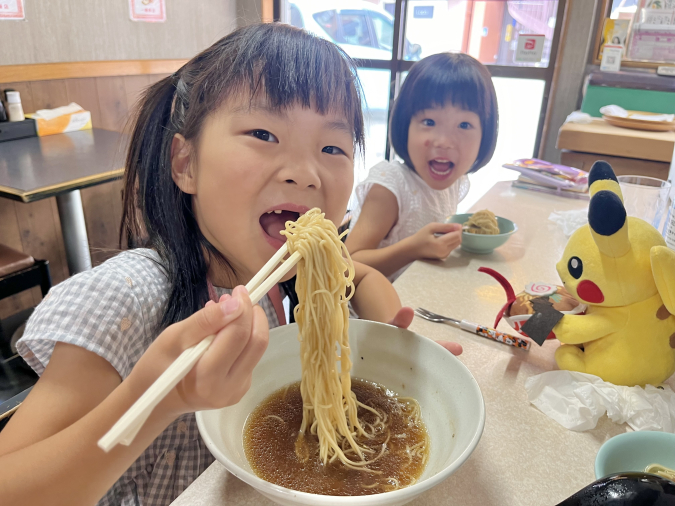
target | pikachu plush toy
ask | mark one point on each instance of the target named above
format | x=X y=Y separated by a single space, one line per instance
x=621 y=268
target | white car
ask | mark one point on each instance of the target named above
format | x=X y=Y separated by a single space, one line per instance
x=363 y=30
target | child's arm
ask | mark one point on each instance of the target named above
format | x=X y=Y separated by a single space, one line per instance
x=376 y=299
x=48 y=450
x=378 y=216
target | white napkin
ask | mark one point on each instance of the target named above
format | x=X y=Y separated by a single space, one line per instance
x=48 y=114
x=654 y=117
x=579 y=117
x=614 y=110
x=577 y=401
x=569 y=221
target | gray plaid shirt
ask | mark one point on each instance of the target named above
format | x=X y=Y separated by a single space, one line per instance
x=114 y=311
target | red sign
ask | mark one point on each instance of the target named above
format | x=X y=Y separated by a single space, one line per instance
x=530 y=43
x=11 y=9
x=151 y=11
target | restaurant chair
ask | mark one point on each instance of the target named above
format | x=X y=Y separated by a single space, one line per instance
x=18 y=272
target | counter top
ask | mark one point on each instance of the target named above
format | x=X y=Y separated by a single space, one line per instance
x=602 y=138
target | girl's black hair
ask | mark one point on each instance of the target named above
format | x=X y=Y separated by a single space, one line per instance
x=431 y=82
x=285 y=65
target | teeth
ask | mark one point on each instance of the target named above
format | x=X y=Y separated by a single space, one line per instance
x=277 y=211
x=269 y=212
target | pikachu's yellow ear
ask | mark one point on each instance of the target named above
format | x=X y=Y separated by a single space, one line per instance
x=663 y=269
x=602 y=178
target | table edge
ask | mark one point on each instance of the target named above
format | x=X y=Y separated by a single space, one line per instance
x=56 y=189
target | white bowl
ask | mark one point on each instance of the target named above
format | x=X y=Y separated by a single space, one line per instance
x=405 y=362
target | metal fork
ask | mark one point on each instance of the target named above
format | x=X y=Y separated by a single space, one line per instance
x=488 y=332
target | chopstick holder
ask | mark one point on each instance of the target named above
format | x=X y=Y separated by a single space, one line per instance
x=126 y=428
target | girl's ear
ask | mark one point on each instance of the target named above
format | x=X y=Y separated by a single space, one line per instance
x=181 y=166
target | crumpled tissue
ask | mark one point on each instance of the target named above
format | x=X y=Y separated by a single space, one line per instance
x=577 y=401
x=579 y=117
x=569 y=221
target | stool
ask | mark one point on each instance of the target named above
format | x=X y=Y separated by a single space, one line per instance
x=19 y=272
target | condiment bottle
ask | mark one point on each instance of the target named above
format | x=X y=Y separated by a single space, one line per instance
x=14 y=106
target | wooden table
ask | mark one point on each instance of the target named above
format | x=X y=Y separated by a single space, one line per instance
x=523 y=458
x=59 y=166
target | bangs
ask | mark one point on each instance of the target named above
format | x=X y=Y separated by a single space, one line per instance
x=461 y=89
x=287 y=67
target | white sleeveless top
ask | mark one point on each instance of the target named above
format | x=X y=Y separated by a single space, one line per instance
x=418 y=204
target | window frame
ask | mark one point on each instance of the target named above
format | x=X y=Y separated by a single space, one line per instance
x=397 y=64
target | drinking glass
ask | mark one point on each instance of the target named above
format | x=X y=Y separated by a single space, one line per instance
x=645 y=197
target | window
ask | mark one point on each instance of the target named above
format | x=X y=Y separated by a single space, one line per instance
x=355 y=29
x=328 y=21
x=384 y=31
x=296 y=17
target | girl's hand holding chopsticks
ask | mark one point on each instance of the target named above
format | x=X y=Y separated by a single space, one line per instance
x=222 y=375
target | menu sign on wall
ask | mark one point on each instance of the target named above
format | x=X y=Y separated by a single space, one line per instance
x=151 y=11
x=11 y=9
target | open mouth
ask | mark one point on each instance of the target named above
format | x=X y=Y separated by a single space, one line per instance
x=440 y=168
x=273 y=221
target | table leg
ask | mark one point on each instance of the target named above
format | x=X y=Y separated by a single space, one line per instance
x=74 y=231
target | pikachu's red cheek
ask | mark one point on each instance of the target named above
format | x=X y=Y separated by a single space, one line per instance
x=590 y=292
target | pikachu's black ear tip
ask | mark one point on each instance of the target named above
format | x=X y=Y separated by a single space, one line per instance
x=600 y=170
x=606 y=214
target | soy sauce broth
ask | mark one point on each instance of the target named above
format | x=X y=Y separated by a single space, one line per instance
x=271 y=432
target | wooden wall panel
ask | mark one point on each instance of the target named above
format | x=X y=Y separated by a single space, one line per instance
x=112 y=99
x=41 y=237
x=134 y=87
x=49 y=94
x=85 y=93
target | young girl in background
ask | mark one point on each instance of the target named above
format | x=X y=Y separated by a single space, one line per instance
x=223 y=152
x=443 y=126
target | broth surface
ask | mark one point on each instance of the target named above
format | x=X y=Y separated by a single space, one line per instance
x=271 y=436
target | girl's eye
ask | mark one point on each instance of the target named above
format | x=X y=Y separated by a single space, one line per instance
x=264 y=135
x=465 y=125
x=332 y=150
x=428 y=122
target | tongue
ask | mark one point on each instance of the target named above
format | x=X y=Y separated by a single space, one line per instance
x=440 y=166
x=273 y=223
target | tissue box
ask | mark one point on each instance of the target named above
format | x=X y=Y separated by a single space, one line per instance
x=61 y=120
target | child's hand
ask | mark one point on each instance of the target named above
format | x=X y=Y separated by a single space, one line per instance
x=223 y=374
x=426 y=244
x=404 y=318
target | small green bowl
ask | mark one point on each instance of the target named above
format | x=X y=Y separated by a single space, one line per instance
x=633 y=451
x=484 y=244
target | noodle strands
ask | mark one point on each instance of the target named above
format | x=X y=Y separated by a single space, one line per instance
x=325 y=276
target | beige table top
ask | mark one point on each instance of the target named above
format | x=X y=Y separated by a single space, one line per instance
x=523 y=458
